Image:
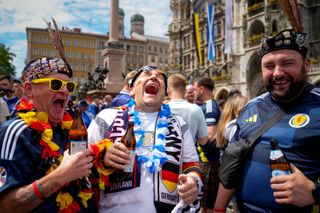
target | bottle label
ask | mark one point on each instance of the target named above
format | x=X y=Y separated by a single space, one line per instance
x=129 y=167
x=77 y=146
x=278 y=172
x=275 y=154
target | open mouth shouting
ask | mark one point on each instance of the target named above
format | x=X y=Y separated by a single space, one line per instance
x=151 y=89
x=59 y=104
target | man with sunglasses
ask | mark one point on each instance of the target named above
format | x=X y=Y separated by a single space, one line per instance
x=166 y=162
x=33 y=174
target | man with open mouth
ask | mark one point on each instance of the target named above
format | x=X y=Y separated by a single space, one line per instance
x=166 y=175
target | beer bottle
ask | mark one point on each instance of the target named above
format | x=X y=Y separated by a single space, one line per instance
x=78 y=135
x=129 y=140
x=278 y=162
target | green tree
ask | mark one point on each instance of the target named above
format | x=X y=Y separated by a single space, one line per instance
x=6 y=59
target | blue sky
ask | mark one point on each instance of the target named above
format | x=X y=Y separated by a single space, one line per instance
x=89 y=15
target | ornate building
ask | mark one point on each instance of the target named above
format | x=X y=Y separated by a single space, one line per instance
x=84 y=51
x=252 y=20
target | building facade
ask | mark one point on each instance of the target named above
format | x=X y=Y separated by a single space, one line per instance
x=84 y=50
x=252 y=20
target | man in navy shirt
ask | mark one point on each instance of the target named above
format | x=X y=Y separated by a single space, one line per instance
x=284 y=71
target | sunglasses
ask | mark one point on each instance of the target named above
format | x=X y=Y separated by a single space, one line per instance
x=56 y=84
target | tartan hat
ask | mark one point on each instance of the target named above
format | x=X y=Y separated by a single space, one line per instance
x=286 y=39
x=41 y=67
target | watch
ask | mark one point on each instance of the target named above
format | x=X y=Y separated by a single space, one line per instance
x=316 y=192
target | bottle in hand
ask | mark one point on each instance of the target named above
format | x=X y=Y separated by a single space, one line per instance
x=78 y=135
x=278 y=162
x=129 y=140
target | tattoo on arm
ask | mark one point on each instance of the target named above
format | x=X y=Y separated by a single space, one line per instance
x=24 y=200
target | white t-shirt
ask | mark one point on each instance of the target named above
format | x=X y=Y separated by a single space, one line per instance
x=140 y=199
x=193 y=116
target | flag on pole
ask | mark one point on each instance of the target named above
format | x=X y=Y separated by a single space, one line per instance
x=228 y=27
x=210 y=31
x=291 y=11
x=196 y=30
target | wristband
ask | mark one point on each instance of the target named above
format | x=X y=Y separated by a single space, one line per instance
x=38 y=194
x=217 y=210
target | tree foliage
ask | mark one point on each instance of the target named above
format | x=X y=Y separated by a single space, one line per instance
x=6 y=59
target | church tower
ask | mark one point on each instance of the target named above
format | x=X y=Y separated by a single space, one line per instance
x=137 y=24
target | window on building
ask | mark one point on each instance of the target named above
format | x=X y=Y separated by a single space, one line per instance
x=166 y=50
x=153 y=59
x=35 y=51
x=141 y=49
x=160 y=49
x=91 y=44
x=52 y=53
x=128 y=47
x=166 y=60
x=177 y=44
x=101 y=45
x=68 y=55
x=36 y=39
x=44 y=51
x=149 y=48
x=128 y=58
x=68 y=43
x=83 y=55
x=82 y=67
x=90 y=56
x=44 y=39
x=134 y=59
x=140 y=59
x=75 y=54
x=155 y=49
x=160 y=60
x=134 y=48
x=76 y=43
x=89 y=67
x=218 y=29
x=75 y=66
x=82 y=80
x=84 y=44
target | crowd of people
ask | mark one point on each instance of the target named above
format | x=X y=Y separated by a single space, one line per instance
x=183 y=138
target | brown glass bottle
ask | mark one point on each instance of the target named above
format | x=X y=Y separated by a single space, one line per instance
x=129 y=140
x=279 y=164
x=78 y=135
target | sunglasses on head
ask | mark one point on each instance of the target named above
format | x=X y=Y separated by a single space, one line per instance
x=56 y=84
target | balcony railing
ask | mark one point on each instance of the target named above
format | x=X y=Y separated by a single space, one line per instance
x=255 y=39
x=256 y=8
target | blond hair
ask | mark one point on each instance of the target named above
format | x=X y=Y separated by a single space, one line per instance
x=178 y=82
x=230 y=112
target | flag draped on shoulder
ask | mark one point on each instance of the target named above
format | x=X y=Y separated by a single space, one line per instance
x=210 y=31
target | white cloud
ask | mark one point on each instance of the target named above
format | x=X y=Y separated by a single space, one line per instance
x=90 y=15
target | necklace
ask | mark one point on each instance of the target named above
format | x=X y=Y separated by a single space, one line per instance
x=151 y=161
x=51 y=152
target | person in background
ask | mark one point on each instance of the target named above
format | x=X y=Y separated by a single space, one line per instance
x=106 y=102
x=209 y=153
x=6 y=83
x=189 y=94
x=284 y=66
x=166 y=164
x=191 y=113
x=124 y=96
x=4 y=111
x=18 y=88
x=227 y=123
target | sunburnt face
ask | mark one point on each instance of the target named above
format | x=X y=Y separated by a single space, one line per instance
x=53 y=103
x=284 y=73
x=149 y=90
